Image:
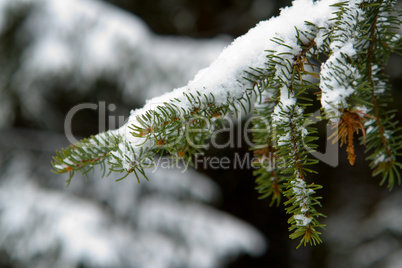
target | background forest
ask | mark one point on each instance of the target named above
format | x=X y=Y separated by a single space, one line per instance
x=116 y=54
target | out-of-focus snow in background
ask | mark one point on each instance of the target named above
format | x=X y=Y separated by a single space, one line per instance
x=83 y=43
x=55 y=54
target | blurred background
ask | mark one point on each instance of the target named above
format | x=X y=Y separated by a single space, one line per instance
x=55 y=54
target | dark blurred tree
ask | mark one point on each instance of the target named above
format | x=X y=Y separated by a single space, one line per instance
x=200 y=18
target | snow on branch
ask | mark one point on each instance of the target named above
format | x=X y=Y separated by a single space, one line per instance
x=222 y=87
x=272 y=71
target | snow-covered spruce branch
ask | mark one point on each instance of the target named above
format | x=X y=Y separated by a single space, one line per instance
x=362 y=40
x=269 y=71
x=382 y=39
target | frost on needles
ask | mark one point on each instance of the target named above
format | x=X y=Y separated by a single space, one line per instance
x=270 y=72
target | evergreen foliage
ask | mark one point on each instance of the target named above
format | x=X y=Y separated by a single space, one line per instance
x=352 y=47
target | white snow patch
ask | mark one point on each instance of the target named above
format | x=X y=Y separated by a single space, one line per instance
x=302 y=220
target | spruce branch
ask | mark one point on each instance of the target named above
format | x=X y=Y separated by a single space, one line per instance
x=272 y=74
x=300 y=202
x=86 y=154
x=381 y=25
